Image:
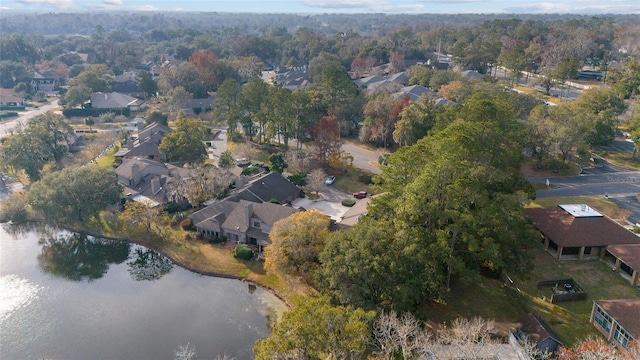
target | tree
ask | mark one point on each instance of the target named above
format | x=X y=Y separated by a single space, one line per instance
x=380 y=118
x=415 y=120
x=178 y=98
x=252 y=108
x=147 y=84
x=326 y=139
x=515 y=60
x=603 y=107
x=226 y=160
x=599 y=349
x=566 y=70
x=185 y=143
x=90 y=122
x=156 y=116
x=225 y=102
x=277 y=162
x=296 y=243
x=12 y=73
x=75 y=194
x=141 y=217
x=97 y=78
x=314 y=329
x=315 y=180
x=205 y=182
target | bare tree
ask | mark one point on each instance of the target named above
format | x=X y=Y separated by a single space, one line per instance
x=315 y=180
x=205 y=182
x=399 y=334
x=185 y=352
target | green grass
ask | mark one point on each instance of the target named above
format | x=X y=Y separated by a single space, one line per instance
x=492 y=299
x=624 y=159
x=108 y=158
x=349 y=181
x=603 y=205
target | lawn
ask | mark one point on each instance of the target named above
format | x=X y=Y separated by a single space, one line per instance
x=624 y=159
x=493 y=299
x=603 y=205
x=352 y=180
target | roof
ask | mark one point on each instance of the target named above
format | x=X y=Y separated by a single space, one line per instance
x=199 y=103
x=113 y=100
x=145 y=167
x=569 y=231
x=628 y=254
x=535 y=329
x=626 y=312
x=8 y=95
x=352 y=216
x=267 y=212
x=266 y=187
x=580 y=210
x=126 y=87
x=217 y=211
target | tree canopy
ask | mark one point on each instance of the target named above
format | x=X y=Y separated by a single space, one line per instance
x=185 y=143
x=75 y=194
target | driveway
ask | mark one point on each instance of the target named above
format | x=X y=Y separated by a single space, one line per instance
x=330 y=202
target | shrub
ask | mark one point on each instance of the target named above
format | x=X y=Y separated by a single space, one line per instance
x=243 y=252
x=186 y=224
x=275 y=201
x=348 y=202
x=298 y=179
x=252 y=170
x=175 y=207
x=364 y=178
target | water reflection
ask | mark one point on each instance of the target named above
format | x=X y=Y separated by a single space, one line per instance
x=79 y=257
x=148 y=265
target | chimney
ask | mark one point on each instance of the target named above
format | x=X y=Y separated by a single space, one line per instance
x=155 y=185
x=129 y=144
x=140 y=125
x=135 y=174
x=241 y=181
x=248 y=211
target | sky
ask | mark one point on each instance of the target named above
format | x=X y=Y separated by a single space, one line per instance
x=335 y=6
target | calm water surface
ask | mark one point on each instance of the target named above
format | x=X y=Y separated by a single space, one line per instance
x=65 y=296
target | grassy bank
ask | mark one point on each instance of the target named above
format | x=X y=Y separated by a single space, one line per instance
x=186 y=250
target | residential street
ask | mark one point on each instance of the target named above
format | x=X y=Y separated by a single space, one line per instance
x=606 y=180
x=6 y=127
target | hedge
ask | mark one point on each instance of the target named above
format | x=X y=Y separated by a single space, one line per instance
x=14 y=108
x=75 y=112
x=348 y=202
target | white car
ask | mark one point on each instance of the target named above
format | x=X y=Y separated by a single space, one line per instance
x=330 y=180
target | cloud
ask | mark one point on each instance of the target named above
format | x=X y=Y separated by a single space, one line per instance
x=61 y=4
x=113 y=2
x=614 y=7
x=453 y=1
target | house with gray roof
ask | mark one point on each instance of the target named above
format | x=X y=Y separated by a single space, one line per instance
x=116 y=100
x=265 y=187
x=146 y=181
x=415 y=91
x=244 y=222
x=47 y=81
x=145 y=146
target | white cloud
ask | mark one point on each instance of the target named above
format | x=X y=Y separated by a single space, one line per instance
x=61 y=4
x=614 y=7
x=453 y=1
x=113 y=2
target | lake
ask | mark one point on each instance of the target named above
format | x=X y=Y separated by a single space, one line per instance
x=67 y=296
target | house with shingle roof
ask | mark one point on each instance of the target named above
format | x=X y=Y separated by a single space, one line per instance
x=145 y=146
x=618 y=320
x=244 y=222
x=116 y=100
x=264 y=188
x=8 y=97
x=538 y=333
x=47 y=81
x=625 y=259
x=576 y=231
x=147 y=181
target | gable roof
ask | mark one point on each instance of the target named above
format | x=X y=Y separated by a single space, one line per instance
x=8 y=95
x=144 y=167
x=628 y=254
x=536 y=330
x=352 y=216
x=266 y=187
x=113 y=100
x=151 y=130
x=626 y=312
x=217 y=211
x=568 y=231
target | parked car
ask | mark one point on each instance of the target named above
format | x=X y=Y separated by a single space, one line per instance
x=243 y=162
x=330 y=180
x=360 y=194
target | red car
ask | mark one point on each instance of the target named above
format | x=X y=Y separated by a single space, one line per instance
x=360 y=194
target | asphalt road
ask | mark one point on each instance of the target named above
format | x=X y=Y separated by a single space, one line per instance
x=8 y=126
x=566 y=93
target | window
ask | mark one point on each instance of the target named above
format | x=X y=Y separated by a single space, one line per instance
x=256 y=224
x=603 y=319
x=621 y=336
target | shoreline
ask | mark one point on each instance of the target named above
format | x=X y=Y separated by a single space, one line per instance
x=180 y=263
